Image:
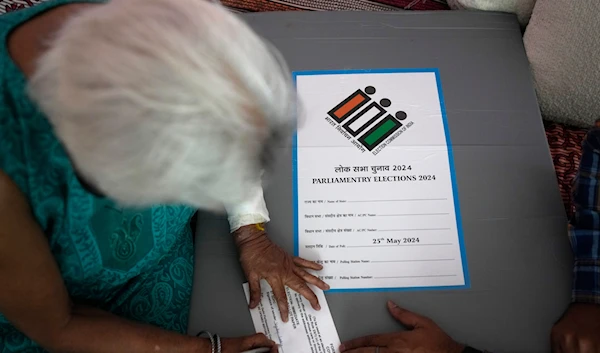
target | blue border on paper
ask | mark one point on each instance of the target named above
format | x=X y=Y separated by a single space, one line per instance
x=459 y=227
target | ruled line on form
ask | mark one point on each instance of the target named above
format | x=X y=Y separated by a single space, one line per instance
x=412 y=214
x=423 y=260
x=410 y=229
x=397 y=200
x=392 y=245
x=424 y=276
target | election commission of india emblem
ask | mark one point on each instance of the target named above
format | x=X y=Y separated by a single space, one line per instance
x=366 y=123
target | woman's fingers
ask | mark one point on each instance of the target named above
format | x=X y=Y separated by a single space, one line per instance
x=301 y=287
x=307 y=264
x=278 y=288
x=257 y=341
x=254 y=285
x=308 y=278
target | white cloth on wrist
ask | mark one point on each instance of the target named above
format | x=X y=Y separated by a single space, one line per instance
x=252 y=211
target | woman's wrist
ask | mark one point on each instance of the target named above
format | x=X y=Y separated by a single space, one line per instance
x=204 y=345
x=249 y=233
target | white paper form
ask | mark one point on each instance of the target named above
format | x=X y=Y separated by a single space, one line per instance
x=307 y=330
x=375 y=195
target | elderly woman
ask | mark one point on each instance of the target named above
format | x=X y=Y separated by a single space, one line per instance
x=118 y=120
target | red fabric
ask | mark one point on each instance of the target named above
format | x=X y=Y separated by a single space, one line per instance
x=419 y=5
x=257 y=5
x=565 y=148
x=285 y=5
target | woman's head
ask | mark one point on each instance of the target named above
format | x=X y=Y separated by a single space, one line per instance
x=164 y=101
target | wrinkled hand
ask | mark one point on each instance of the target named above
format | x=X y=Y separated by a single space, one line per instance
x=261 y=258
x=424 y=337
x=578 y=331
x=242 y=344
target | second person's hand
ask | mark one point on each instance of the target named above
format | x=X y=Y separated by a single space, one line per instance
x=578 y=331
x=242 y=344
x=424 y=336
x=261 y=258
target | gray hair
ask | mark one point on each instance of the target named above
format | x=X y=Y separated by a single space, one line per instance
x=164 y=101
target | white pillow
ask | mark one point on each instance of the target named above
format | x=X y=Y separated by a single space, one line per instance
x=522 y=8
x=563 y=45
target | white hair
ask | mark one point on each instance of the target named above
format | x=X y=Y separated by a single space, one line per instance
x=164 y=101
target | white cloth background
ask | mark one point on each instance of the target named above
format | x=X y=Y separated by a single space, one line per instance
x=563 y=46
x=522 y=8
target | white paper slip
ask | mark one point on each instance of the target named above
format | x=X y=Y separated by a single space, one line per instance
x=307 y=330
x=374 y=185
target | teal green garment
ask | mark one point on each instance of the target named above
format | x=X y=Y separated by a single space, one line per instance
x=135 y=263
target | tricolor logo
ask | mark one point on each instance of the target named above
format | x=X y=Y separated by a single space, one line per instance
x=366 y=122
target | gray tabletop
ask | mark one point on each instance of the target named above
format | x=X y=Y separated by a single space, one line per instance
x=514 y=223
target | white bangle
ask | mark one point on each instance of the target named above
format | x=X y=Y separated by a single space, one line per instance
x=211 y=338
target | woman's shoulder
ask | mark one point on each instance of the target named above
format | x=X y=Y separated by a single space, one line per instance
x=27 y=141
